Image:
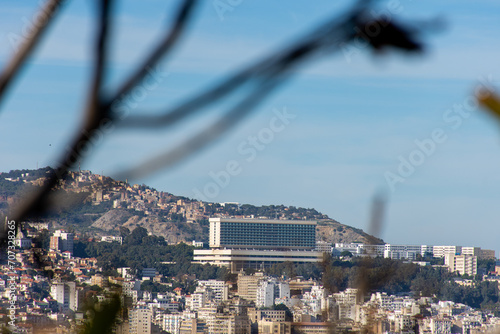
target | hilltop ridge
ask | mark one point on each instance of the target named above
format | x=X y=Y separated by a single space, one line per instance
x=99 y=205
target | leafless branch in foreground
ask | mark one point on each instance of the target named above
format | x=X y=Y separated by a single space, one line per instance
x=259 y=80
x=14 y=66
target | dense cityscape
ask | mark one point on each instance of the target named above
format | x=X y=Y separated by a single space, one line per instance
x=249 y=167
x=247 y=274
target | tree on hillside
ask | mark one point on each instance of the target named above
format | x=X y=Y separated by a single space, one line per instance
x=136 y=236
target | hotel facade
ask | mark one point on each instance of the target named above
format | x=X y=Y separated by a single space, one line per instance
x=259 y=243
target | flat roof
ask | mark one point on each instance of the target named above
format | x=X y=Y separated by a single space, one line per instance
x=264 y=221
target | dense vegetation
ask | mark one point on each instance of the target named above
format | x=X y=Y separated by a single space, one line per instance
x=9 y=188
x=271 y=211
x=140 y=250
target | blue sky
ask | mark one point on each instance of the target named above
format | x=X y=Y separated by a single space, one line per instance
x=353 y=119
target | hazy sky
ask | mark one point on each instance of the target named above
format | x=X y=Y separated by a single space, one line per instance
x=341 y=129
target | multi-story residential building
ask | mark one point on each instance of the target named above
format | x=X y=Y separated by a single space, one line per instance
x=474 y=251
x=172 y=323
x=265 y=294
x=229 y=323
x=220 y=289
x=259 y=243
x=273 y=315
x=193 y=326
x=62 y=241
x=441 y=251
x=201 y=297
x=248 y=284
x=440 y=326
x=66 y=295
x=323 y=246
x=169 y=322
x=140 y=320
x=397 y=252
x=463 y=264
x=274 y=327
x=312 y=327
x=346 y=302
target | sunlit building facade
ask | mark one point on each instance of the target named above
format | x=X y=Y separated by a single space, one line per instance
x=259 y=243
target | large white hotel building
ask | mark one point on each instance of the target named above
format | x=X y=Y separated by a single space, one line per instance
x=259 y=243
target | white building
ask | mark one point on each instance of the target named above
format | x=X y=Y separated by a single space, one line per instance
x=463 y=264
x=220 y=289
x=259 y=243
x=265 y=294
x=474 y=251
x=201 y=297
x=323 y=246
x=441 y=251
x=112 y=238
x=66 y=295
x=172 y=322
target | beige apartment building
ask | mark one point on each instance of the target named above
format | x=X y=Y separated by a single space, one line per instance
x=463 y=264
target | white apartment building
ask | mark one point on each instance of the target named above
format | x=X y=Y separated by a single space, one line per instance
x=323 y=246
x=219 y=288
x=265 y=294
x=463 y=264
x=441 y=251
x=201 y=297
x=172 y=322
x=66 y=295
x=348 y=296
x=474 y=251
x=397 y=252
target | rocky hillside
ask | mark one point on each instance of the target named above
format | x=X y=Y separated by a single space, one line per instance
x=98 y=205
x=173 y=232
x=335 y=232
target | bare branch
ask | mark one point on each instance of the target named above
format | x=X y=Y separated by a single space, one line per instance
x=161 y=50
x=329 y=35
x=204 y=138
x=40 y=200
x=13 y=67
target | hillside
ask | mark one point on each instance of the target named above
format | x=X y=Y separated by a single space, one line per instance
x=98 y=205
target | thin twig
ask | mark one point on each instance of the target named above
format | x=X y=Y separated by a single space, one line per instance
x=160 y=51
x=204 y=138
x=328 y=35
x=40 y=200
x=267 y=74
x=17 y=61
